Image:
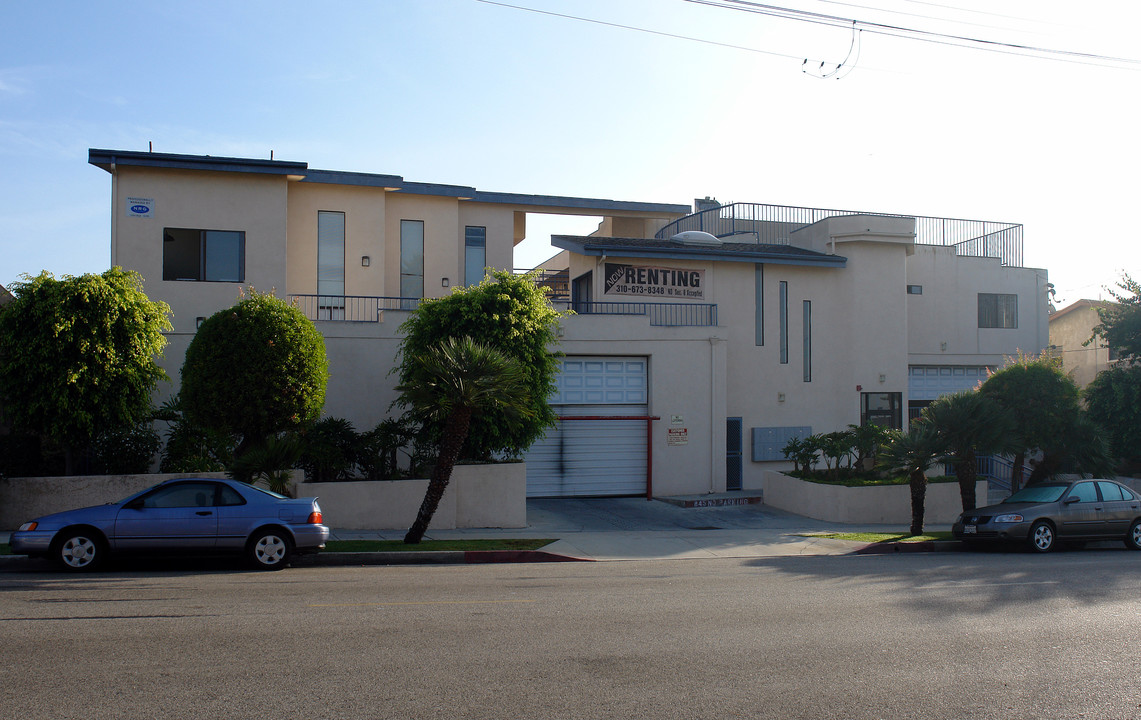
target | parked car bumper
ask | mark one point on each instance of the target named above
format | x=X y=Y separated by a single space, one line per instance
x=990 y=531
x=30 y=543
x=310 y=538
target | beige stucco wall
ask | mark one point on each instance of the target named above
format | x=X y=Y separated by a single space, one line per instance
x=364 y=209
x=478 y=496
x=1070 y=329
x=887 y=504
x=254 y=204
x=943 y=321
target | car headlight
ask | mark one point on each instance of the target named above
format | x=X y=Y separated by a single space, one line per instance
x=1008 y=518
x=28 y=527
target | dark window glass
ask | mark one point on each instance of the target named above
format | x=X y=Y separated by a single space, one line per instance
x=182 y=495
x=998 y=310
x=1084 y=492
x=204 y=255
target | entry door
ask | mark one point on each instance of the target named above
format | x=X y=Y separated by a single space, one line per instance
x=733 y=444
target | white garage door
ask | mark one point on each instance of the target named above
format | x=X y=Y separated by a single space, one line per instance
x=593 y=457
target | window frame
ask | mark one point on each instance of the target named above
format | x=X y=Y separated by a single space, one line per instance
x=998 y=311
x=173 y=267
x=469 y=246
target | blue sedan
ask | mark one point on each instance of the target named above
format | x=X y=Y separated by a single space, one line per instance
x=191 y=515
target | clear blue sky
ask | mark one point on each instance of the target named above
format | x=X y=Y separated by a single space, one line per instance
x=464 y=92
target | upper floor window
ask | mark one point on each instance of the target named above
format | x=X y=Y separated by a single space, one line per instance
x=475 y=254
x=331 y=265
x=411 y=258
x=998 y=310
x=209 y=255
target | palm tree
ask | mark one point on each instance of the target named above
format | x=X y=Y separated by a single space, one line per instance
x=969 y=424
x=913 y=453
x=460 y=379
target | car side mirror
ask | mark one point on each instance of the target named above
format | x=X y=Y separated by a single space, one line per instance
x=1070 y=500
x=135 y=504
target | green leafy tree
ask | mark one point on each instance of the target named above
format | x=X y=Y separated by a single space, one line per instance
x=78 y=356
x=1121 y=321
x=270 y=461
x=254 y=370
x=1043 y=400
x=457 y=381
x=1113 y=401
x=189 y=447
x=835 y=446
x=329 y=450
x=968 y=424
x=913 y=453
x=866 y=439
x=506 y=312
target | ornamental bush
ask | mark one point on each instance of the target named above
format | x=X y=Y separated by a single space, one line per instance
x=254 y=370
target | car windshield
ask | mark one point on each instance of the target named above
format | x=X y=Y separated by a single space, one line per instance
x=1038 y=493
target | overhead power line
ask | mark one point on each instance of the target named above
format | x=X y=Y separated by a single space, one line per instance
x=929 y=36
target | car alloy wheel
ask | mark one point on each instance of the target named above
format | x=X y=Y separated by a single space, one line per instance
x=78 y=551
x=269 y=550
x=1042 y=537
x=1133 y=539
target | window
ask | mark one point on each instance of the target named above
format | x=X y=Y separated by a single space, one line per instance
x=807 y=341
x=759 y=302
x=1111 y=491
x=204 y=255
x=914 y=289
x=582 y=293
x=998 y=310
x=783 y=322
x=331 y=265
x=411 y=260
x=882 y=409
x=1085 y=492
x=181 y=495
x=475 y=254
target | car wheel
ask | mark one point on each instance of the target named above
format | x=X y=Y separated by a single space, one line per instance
x=269 y=550
x=1042 y=537
x=79 y=551
x=1133 y=539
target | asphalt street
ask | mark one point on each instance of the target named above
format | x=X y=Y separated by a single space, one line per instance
x=937 y=635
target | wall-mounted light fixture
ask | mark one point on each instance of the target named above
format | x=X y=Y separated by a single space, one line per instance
x=883 y=378
x=444 y=282
x=780 y=397
x=364 y=261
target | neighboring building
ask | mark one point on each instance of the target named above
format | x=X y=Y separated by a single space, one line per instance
x=701 y=342
x=5 y=296
x=1070 y=331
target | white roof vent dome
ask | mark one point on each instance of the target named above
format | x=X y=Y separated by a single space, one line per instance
x=696 y=237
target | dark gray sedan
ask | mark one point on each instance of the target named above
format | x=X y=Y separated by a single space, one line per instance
x=1045 y=514
x=191 y=515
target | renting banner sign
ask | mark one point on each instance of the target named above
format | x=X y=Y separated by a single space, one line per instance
x=654 y=282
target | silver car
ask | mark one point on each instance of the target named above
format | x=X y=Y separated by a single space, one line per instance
x=191 y=515
x=1045 y=514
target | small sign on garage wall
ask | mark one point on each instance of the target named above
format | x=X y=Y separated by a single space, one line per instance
x=677 y=436
x=140 y=207
x=677 y=420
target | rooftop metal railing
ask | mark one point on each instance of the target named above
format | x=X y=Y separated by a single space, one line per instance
x=772 y=224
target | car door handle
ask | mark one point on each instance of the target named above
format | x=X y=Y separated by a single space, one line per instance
x=204 y=512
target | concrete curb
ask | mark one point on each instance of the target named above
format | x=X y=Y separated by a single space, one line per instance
x=16 y=563
x=888 y=548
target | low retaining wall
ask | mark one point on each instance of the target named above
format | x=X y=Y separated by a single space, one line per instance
x=478 y=496
x=22 y=499
x=884 y=504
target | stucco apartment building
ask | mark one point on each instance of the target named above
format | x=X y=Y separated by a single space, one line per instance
x=1071 y=330
x=703 y=338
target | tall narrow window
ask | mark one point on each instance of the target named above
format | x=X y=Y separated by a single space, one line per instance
x=330 y=265
x=759 y=302
x=411 y=261
x=807 y=341
x=582 y=293
x=475 y=254
x=783 y=322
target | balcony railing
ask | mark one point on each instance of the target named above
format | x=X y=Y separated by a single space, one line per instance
x=660 y=314
x=771 y=225
x=351 y=308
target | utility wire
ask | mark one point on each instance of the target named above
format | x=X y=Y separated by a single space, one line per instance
x=639 y=29
x=916 y=34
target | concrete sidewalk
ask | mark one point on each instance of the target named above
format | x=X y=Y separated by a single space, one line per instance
x=728 y=525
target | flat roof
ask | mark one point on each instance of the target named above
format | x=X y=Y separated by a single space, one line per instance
x=668 y=249
x=109 y=159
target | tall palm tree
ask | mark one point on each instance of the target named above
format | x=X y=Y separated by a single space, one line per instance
x=969 y=424
x=461 y=378
x=913 y=453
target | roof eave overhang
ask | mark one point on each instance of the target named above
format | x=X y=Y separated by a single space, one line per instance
x=110 y=159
